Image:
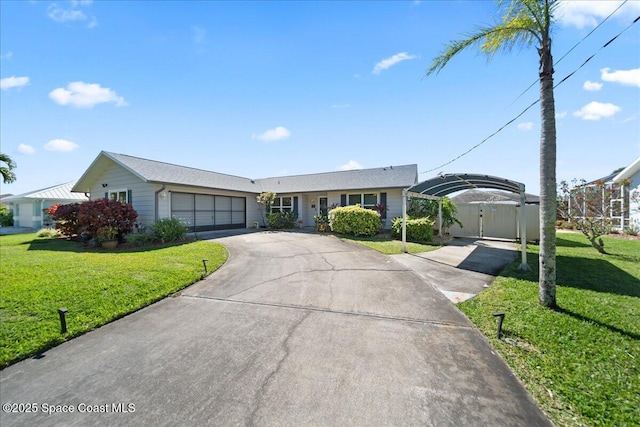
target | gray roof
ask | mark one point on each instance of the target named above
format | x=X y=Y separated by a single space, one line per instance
x=386 y=177
x=56 y=192
x=474 y=196
x=166 y=173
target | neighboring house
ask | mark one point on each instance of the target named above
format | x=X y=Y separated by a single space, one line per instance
x=623 y=205
x=205 y=200
x=29 y=208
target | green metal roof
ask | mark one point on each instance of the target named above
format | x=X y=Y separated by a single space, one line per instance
x=445 y=184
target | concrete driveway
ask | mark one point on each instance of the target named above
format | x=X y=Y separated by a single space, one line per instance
x=295 y=330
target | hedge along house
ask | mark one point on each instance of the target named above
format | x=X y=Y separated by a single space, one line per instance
x=205 y=200
x=29 y=209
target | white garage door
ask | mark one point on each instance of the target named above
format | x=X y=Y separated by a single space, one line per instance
x=25 y=214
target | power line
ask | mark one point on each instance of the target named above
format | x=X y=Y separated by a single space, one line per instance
x=533 y=103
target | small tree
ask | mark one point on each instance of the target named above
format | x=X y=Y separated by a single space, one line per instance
x=266 y=199
x=425 y=208
x=8 y=175
x=66 y=218
x=592 y=207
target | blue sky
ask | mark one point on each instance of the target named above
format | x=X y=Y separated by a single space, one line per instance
x=261 y=89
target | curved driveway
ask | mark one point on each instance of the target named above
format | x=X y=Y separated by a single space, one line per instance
x=295 y=330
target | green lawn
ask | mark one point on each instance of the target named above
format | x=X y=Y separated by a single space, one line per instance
x=390 y=246
x=95 y=285
x=582 y=361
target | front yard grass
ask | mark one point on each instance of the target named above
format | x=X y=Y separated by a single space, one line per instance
x=96 y=286
x=581 y=362
x=389 y=246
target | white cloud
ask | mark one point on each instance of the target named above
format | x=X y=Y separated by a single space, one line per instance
x=7 y=55
x=340 y=106
x=624 y=77
x=60 y=145
x=597 y=110
x=71 y=11
x=13 y=81
x=85 y=95
x=274 y=134
x=352 y=164
x=588 y=13
x=561 y=115
x=391 y=61
x=525 y=126
x=592 y=86
x=26 y=149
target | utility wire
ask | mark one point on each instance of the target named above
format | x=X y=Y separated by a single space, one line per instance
x=534 y=102
x=570 y=50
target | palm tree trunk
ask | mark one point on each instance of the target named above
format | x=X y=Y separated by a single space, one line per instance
x=548 y=191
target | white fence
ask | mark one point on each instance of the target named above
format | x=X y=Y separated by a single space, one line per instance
x=496 y=220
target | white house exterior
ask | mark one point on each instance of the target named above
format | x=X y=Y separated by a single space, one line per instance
x=206 y=200
x=29 y=208
x=629 y=181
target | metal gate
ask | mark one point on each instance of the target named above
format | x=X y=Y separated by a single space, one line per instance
x=495 y=220
x=201 y=212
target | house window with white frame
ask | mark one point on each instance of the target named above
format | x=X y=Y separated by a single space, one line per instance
x=365 y=200
x=282 y=204
x=119 y=195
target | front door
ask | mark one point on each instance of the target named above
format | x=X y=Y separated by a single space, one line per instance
x=323 y=206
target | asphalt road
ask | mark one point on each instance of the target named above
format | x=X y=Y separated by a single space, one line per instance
x=295 y=330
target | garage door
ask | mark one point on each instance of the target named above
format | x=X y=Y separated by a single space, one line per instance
x=25 y=214
x=201 y=212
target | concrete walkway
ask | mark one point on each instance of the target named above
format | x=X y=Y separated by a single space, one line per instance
x=295 y=330
x=464 y=267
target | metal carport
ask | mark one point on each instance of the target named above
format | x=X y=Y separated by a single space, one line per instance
x=444 y=184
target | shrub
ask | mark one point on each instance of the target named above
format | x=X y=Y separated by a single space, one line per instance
x=278 y=220
x=6 y=217
x=355 y=221
x=168 y=230
x=66 y=217
x=48 y=233
x=96 y=216
x=418 y=229
x=139 y=239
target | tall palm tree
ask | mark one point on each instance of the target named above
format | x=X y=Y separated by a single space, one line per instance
x=527 y=23
x=8 y=176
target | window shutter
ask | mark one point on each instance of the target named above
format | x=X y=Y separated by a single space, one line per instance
x=106 y=195
x=129 y=192
x=295 y=205
x=343 y=200
x=383 y=201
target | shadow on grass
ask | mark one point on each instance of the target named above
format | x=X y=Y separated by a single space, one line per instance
x=570 y=243
x=64 y=245
x=596 y=322
x=591 y=274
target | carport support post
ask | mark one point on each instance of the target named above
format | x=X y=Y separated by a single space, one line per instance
x=404 y=220
x=440 y=217
x=523 y=230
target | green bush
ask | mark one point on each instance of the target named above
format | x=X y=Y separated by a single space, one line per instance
x=355 y=221
x=168 y=230
x=279 y=220
x=139 y=239
x=418 y=229
x=6 y=217
x=48 y=232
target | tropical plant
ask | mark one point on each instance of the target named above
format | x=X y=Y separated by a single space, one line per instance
x=6 y=217
x=8 y=175
x=266 y=198
x=527 y=23
x=167 y=230
x=426 y=208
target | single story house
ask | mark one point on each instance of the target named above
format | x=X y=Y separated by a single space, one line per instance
x=29 y=209
x=206 y=200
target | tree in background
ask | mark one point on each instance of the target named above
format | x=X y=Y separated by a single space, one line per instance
x=266 y=199
x=425 y=208
x=526 y=23
x=8 y=176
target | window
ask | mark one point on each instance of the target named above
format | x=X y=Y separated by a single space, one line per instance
x=119 y=195
x=282 y=204
x=367 y=200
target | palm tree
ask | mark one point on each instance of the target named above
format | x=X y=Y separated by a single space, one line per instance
x=8 y=176
x=525 y=23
